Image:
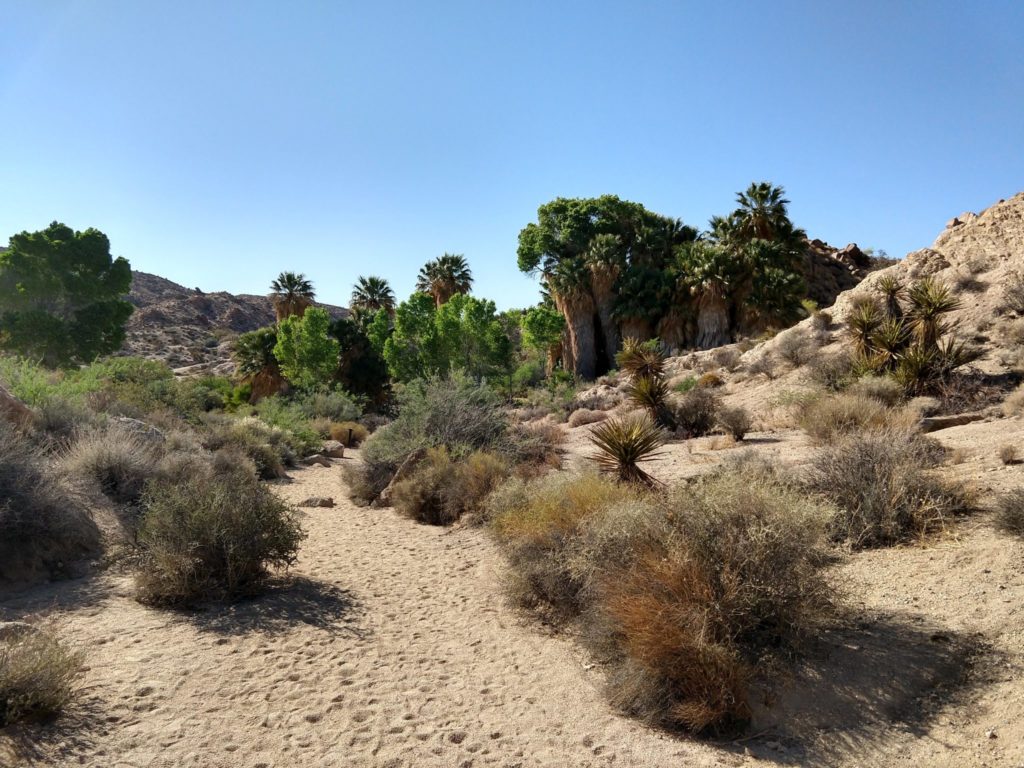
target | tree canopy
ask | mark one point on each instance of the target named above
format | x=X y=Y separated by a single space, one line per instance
x=62 y=296
x=308 y=355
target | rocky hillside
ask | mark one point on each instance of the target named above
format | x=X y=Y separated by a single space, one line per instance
x=191 y=330
x=829 y=271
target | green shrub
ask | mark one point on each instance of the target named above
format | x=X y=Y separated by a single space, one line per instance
x=333 y=404
x=293 y=421
x=38 y=673
x=527 y=375
x=881 y=484
x=440 y=491
x=43 y=525
x=268 y=447
x=685 y=385
x=211 y=536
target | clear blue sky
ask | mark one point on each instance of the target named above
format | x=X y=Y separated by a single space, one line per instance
x=218 y=143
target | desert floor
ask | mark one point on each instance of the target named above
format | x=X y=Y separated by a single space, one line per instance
x=389 y=644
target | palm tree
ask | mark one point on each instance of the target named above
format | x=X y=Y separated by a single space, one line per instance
x=291 y=294
x=371 y=294
x=762 y=213
x=606 y=260
x=569 y=284
x=254 y=355
x=444 y=277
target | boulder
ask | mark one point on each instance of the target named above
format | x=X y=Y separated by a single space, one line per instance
x=317 y=501
x=334 y=449
x=317 y=458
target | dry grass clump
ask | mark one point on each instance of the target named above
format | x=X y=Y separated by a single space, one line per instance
x=710 y=380
x=38 y=673
x=267 y=446
x=441 y=490
x=1013 y=292
x=1010 y=512
x=586 y=416
x=43 y=525
x=764 y=365
x=211 y=535
x=832 y=372
x=881 y=483
x=797 y=347
x=114 y=461
x=881 y=388
x=696 y=412
x=735 y=422
x=825 y=418
x=1013 y=405
x=684 y=594
x=351 y=434
x=1008 y=453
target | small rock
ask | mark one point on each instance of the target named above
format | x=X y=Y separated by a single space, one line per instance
x=990 y=734
x=316 y=458
x=317 y=501
x=334 y=449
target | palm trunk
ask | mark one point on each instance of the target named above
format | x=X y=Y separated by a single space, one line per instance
x=578 y=310
x=672 y=328
x=554 y=353
x=712 y=320
x=603 y=282
x=637 y=328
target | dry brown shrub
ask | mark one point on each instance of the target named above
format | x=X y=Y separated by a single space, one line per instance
x=825 y=418
x=38 y=673
x=881 y=388
x=735 y=421
x=883 y=485
x=586 y=416
x=797 y=347
x=351 y=434
x=710 y=380
x=1008 y=453
x=114 y=461
x=1013 y=405
x=696 y=412
x=1010 y=512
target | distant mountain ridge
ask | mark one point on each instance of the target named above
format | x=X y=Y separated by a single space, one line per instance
x=192 y=331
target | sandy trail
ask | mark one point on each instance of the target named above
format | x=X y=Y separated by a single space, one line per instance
x=392 y=649
x=389 y=645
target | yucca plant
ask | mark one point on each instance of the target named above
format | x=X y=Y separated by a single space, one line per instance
x=623 y=444
x=652 y=394
x=929 y=301
x=888 y=342
x=892 y=290
x=863 y=322
x=641 y=359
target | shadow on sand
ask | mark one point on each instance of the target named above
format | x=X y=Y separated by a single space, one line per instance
x=868 y=688
x=288 y=602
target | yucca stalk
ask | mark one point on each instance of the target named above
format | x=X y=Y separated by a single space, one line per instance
x=623 y=444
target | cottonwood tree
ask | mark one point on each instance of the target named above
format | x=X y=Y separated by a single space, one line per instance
x=308 y=355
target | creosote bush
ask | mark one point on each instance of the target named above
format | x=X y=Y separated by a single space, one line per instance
x=211 y=535
x=267 y=446
x=440 y=491
x=881 y=483
x=734 y=422
x=38 y=673
x=683 y=593
x=696 y=412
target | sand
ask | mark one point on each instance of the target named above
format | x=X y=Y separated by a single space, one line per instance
x=388 y=644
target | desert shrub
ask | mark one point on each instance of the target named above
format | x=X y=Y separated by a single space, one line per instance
x=882 y=389
x=586 y=416
x=734 y=421
x=1013 y=292
x=764 y=365
x=826 y=417
x=211 y=536
x=833 y=372
x=696 y=412
x=685 y=385
x=536 y=522
x=333 y=404
x=374 y=421
x=440 y=490
x=1010 y=512
x=341 y=432
x=710 y=380
x=1013 y=405
x=527 y=375
x=266 y=446
x=43 y=524
x=454 y=412
x=115 y=461
x=60 y=419
x=1008 y=453
x=38 y=673
x=727 y=357
x=727 y=573
x=880 y=482
x=796 y=347
x=293 y=423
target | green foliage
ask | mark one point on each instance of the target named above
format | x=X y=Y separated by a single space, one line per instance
x=361 y=367
x=308 y=355
x=61 y=295
x=641 y=359
x=444 y=277
x=254 y=351
x=465 y=334
x=542 y=328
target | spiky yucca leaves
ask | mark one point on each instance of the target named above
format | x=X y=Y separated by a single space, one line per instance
x=929 y=301
x=641 y=359
x=652 y=394
x=922 y=369
x=892 y=291
x=624 y=443
x=888 y=342
x=864 y=320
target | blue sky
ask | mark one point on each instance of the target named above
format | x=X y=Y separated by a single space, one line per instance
x=218 y=143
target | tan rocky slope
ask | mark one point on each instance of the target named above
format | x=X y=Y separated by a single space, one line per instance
x=192 y=330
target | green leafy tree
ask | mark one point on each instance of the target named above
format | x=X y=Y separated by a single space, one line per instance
x=308 y=355
x=62 y=296
x=361 y=368
x=543 y=327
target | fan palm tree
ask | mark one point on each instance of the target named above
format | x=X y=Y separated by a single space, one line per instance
x=762 y=213
x=605 y=259
x=371 y=294
x=444 y=277
x=254 y=356
x=569 y=284
x=291 y=294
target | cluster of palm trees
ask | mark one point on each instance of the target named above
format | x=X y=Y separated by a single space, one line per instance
x=616 y=270
x=441 y=278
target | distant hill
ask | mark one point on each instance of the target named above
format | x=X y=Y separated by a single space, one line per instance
x=190 y=330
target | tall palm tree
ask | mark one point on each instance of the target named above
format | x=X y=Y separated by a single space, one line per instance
x=568 y=280
x=606 y=259
x=254 y=355
x=372 y=293
x=444 y=277
x=291 y=294
x=762 y=212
